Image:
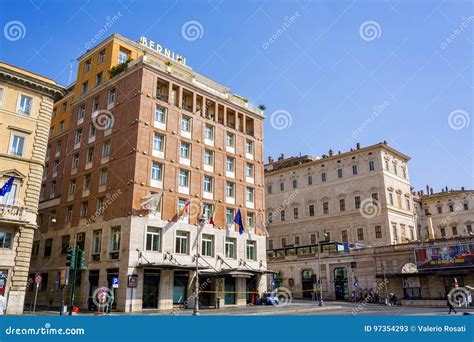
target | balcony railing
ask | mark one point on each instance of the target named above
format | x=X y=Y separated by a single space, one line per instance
x=12 y=211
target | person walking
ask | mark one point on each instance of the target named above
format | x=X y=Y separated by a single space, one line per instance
x=451 y=308
x=3 y=305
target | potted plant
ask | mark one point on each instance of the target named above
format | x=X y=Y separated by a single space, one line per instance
x=262 y=107
x=168 y=66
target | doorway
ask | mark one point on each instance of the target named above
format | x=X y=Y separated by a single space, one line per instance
x=180 y=286
x=341 y=285
x=229 y=289
x=151 y=285
x=307 y=281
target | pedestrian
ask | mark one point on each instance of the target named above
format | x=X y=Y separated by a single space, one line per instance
x=451 y=308
x=3 y=304
x=353 y=296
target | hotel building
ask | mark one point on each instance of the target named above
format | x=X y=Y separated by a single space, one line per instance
x=139 y=136
x=360 y=208
x=26 y=105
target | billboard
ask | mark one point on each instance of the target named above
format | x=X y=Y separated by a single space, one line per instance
x=445 y=257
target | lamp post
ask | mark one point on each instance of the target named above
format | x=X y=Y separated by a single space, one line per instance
x=196 y=287
x=321 y=303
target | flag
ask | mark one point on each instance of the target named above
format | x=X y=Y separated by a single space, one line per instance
x=185 y=207
x=238 y=220
x=7 y=186
x=262 y=221
x=211 y=220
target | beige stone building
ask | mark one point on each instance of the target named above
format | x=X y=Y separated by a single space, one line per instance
x=361 y=207
x=26 y=105
x=147 y=135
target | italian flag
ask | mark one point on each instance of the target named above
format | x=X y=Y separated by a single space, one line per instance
x=211 y=220
x=184 y=208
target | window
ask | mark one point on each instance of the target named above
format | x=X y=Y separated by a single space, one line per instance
x=342 y=204
x=24 y=105
x=184 y=178
x=229 y=216
x=311 y=210
x=295 y=183
x=378 y=232
x=181 y=242
x=344 y=235
x=371 y=165
x=2 y=91
x=229 y=164
x=230 y=249
x=451 y=208
x=17 y=145
x=85 y=87
x=83 y=212
x=229 y=140
x=87 y=65
x=156 y=171
x=90 y=155
x=229 y=189
x=69 y=213
x=339 y=173
x=249 y=170
x=282 y=186
x=92 y=130
x=249 y=195
x=408 y=204
x=72 y=187
x=115 y=239
x=375 y=198
x=295 y=213
x=158 y=140
x=100 y=206
x=469 y=228
x=207 y=245
x=98 y=78
x=35 y=248
x=87 y=182
x=78 y=137
x=64 y=244
x=323 y=177
x=404 y=171
x=455 y=231
x=111 y=96
x=153 y=239
x=357 y=202
x=313 y=239
x=75 y=161
x=103 y=176
x=81 y=112
x=283 y=242
x=310 y=180
x=48 y=246
x=395 y=169
x=96 y=241
x=249 y=147
x=270 y=218
x=466 y=205
x=208 y=158
x=101 y=56
x=5 y=240
x=360 y=233
x=105 y=149
x=160 y=114
x=282 y=215
x=122 y=57
x=443 y=232
x=251 y=250
x=325 y=208
x=269 y=189
x=440 y=210
x=209 y=132
x=52 y=189
x=185 y=123
x=354 y=169
x=297 y=240
x=184 y=150
x=208 y=181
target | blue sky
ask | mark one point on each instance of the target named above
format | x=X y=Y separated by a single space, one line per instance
x=331 y=73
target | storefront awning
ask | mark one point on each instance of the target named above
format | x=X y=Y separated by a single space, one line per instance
x=168 y=266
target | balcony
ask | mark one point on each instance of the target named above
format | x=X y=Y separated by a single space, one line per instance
x=12 y=212
x=162 y=97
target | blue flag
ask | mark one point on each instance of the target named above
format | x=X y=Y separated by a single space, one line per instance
x=5 y=189
x=238 y=220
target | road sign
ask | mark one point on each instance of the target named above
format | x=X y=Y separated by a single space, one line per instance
x=38 y=280
x=356 y=283
x=273 y=282
x=133 y=280
x=115 y=282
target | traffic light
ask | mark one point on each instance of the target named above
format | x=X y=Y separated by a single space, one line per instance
x=80 y=259
x=71 y=257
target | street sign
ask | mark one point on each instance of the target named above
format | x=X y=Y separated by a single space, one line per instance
x=115 y=282
x=356 y=283
x=132 y=280
x=38 y=280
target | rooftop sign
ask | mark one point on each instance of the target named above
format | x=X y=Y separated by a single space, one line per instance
x=150 y=44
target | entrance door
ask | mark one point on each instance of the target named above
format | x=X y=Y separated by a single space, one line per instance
x=205 y=295
x=341 y=286
x=151 y=285
x=93 y=285
x=229 y=288
x=251 y=289
x=113 y=273
x=180 y=286
x=307 y=283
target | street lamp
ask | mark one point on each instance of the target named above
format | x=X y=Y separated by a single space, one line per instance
x=321 y=303
x=196 y=288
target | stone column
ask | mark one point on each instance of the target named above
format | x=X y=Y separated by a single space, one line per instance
x=240 y=288
x=165 y=300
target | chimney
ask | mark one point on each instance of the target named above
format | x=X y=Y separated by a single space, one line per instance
x=281 y=157
x=331 y=152
x=446 y=188
x=385 y=142
x=462 y=188
x=358 y=146
x=442 y=190
x=431 y=191
x=270 y=160
x=427 y=190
